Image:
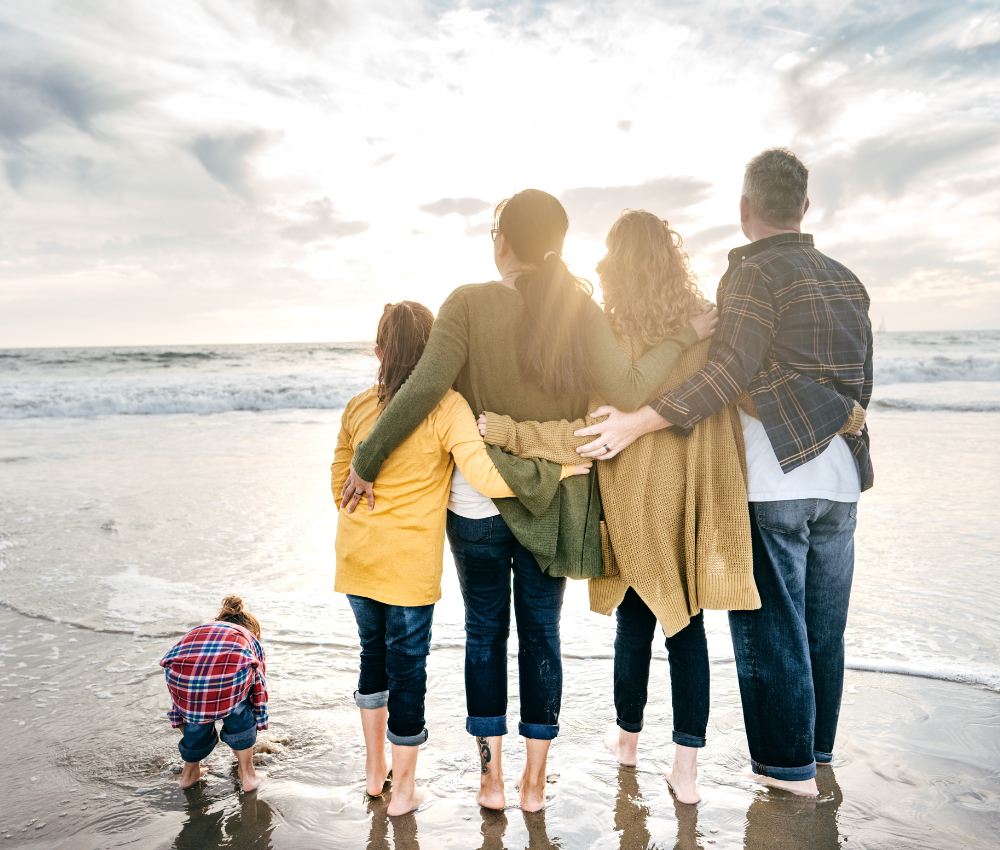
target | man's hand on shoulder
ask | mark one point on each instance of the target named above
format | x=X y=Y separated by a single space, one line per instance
x=618 y=431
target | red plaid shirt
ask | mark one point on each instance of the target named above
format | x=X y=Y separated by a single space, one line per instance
x=211 y=670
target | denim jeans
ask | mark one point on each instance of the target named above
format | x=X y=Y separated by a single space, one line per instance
x=239 y=730
x=488 y=556
x=395 y=641
x=687 y=654
x=790 y=652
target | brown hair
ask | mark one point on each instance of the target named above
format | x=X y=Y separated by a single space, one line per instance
x=553 y=347
x=232 y=612
x=402 y=334
x=776 y=183
x=649 y=290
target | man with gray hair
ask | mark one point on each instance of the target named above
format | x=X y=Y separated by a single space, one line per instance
x=794 y=350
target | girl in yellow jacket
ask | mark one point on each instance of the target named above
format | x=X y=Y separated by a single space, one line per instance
x=390 y=556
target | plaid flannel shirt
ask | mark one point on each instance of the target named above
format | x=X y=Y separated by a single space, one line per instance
x=211 y=670
x=794 y=331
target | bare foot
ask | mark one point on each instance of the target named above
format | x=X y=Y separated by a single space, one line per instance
x=802 y=787
x=400 y=805
x=532 y=794
x=684 y=784
x=377 y=771
x=622 y=745
x=491 y=792
x=251 y=781
x=492 y=797
x=193 y=773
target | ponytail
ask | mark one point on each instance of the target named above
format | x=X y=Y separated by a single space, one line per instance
x=402 y=335
x=553 y=348
x=232 y=612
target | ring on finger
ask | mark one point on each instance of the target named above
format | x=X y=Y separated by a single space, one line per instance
x=607 y=448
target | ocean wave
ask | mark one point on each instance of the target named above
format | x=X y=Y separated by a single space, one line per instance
x=202 y=395
x=909 y=370
x=911 y=405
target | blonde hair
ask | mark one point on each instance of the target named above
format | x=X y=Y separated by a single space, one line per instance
x=232 y=612
x=649 y=290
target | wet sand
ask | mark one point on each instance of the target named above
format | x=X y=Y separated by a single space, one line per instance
x=89 y=762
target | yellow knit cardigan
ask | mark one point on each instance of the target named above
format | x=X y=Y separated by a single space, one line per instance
x=676 y=524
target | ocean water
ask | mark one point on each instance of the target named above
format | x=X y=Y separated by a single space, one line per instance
x=140 y=485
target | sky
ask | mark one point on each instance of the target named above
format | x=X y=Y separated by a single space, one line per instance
x=227 y=171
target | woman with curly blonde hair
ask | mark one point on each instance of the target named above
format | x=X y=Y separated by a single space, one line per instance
x=676 y=535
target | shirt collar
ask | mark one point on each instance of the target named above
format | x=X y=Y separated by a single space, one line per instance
x=745 y=252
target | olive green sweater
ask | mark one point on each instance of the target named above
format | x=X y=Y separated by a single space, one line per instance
x=474 y=347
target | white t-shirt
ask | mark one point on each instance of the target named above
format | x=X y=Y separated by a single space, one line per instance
x=465 y=500
x=832 y=475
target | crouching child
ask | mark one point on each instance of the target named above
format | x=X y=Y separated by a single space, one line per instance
x=216 y=672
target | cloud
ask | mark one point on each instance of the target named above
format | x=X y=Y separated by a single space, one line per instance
x=700 y=242
x=306 y=22
x=319 y=222
x=592 y=210
x=460 y=206
x=32 y=99
x=888 y=166
x=227 y=157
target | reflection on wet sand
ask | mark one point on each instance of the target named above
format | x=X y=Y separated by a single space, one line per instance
x=400 y=833
x=780 y=821
x=248 y=826
x=631 y=814
x=494 y=828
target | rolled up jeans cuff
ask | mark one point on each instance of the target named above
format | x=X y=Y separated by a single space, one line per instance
x=486 y=727
x=822 y=758
x=378 y=700
x=538 y=731
x=628 y=727
x=240 y=740
x=406 y=740
x=686 y=740
x=789 y=774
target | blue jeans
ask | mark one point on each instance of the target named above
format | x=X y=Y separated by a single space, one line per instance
x=488 y=556
x=395 y=641
x=790 y=652
x=239 y=730
x=687 y=654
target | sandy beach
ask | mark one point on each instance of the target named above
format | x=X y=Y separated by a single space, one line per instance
x=118 y=532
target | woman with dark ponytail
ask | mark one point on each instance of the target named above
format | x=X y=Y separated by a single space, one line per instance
x=532 y=346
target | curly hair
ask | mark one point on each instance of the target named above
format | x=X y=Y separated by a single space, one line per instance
x=649 y=289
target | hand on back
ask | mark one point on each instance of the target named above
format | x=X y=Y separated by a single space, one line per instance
x=706 y=323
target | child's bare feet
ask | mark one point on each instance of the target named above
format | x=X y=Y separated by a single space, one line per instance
x=400 y=804
x=373 y=723
x=376 y=772
x=250 y=778
x=802 y=787
x=193 y=773
x=622 y=745
x=683 y=775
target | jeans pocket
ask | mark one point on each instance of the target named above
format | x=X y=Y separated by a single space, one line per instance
x=469 y=530
x=787 y=516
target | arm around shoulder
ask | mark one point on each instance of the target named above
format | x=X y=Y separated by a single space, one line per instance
x=553 y=441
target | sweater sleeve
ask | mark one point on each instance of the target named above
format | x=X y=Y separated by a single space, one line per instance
x=553 y=441
x=459 y=434
x=444 y=356
x=622 y=382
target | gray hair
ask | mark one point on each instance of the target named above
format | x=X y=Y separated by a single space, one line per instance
x=775 y=184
